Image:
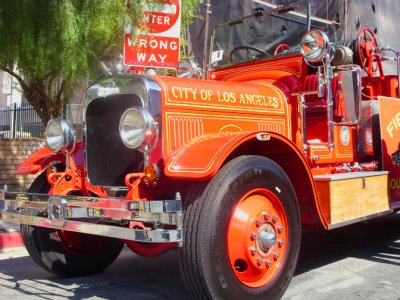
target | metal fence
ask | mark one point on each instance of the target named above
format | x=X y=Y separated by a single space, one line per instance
x=22 y=121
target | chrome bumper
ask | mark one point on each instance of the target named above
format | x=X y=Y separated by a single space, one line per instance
x=110 y=217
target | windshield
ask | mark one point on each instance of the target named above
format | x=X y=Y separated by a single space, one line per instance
x=270 y=30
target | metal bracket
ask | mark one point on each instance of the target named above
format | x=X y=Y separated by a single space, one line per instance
x=57 y=211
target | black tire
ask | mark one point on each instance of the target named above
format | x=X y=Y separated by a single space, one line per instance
x=214 y=261
x=67 y=253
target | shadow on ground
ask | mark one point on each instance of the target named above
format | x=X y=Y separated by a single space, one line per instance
x=377 y=240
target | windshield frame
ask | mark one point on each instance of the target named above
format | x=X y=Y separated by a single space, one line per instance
x=275 y=11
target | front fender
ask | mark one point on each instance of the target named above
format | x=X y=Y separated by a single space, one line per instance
x=43 y=157
x=203 y=156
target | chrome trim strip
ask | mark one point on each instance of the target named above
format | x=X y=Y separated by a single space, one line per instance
x=302 y=111
x=157 y=212
x=146 y=236
x=350 y=175
x=360 y=219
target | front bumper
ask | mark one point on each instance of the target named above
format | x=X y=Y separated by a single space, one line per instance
x=109 y=217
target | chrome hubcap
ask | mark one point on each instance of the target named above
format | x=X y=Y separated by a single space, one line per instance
x=266 y=238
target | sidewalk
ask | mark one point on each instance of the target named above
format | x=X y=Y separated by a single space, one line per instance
x=10 y=236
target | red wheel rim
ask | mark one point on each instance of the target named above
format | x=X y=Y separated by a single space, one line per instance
x=78 y=243
x=149 y=249
x=257 y=238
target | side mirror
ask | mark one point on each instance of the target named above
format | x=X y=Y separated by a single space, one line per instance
x=350 y=80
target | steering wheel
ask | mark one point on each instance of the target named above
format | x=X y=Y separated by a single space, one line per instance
x=367 y=47
x=281 y=48
x=248 y=49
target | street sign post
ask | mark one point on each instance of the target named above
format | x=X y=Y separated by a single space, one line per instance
x=157 y=44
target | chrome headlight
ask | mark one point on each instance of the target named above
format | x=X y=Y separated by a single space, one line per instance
x=315 y=46
x=137 y=129
x=60 y=135
x=187 y=68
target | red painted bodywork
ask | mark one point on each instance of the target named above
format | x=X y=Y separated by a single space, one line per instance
x=205 y=123
x=42 y=158
x=210 y=152
x=71 y=180
x=390 y=121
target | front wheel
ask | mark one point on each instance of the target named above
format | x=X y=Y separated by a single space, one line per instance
x=67 y=253
x=242 y=234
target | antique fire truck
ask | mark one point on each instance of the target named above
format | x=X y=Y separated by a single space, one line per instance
x=290 y=129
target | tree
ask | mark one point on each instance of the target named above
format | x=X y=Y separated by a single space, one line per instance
x=51 y=46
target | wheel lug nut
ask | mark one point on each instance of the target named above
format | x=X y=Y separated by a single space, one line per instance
x=280 y=229
x=253 y=236
x=275 y=218
x=258 y=222
x=253 y=250
x=281 y=242
x=259 y=262
x=276 y=256
x=268 y=263
x=266 y=215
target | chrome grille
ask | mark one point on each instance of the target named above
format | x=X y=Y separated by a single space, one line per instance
x=108 y=159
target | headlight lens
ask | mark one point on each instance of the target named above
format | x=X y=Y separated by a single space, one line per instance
x=314 y=45
x=187 y=68
x=137 y=128
x=60 y=135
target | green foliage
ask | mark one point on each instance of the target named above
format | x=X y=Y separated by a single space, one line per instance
x=55 y=44
x=43 y=37
x=189 y=8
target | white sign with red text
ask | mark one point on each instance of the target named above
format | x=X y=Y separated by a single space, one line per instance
x=157 y=45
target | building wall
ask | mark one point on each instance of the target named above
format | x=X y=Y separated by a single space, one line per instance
x=3 y=97
x=12 y=154
x=9 y=91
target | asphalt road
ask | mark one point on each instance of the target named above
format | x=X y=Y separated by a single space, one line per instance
x=357 y=262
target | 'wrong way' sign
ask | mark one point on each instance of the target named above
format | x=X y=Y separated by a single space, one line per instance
x=157 y=45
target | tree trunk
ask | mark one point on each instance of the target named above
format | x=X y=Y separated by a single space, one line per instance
x=46 y=95
x=47 y=106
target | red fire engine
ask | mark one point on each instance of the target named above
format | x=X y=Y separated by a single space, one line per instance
x=284 y=134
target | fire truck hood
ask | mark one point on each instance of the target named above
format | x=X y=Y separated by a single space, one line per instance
x=222 y=95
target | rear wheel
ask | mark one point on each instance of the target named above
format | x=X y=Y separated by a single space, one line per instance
x=67 y=253
x=149 y=249
x=242 y=234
